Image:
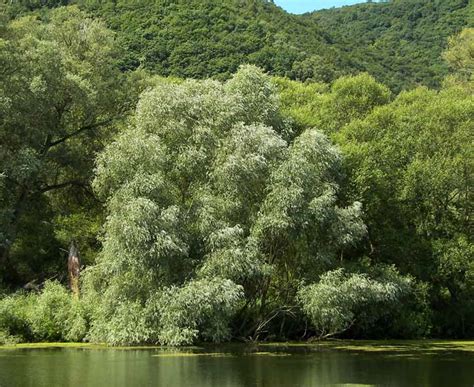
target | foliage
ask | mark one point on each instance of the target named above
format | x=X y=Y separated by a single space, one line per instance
x=460 y=52
x=329 y=108
x=14 y=326
x=350 y=99
x=59 y=91
x=315 y=69
x=243 y=206
x=199 y=309
x=206 y=198
x=340 y=300
x=52 y=315
x=301 y=102
x=201 y=39
x=55 y=316
x=123 y=322
x=399 y=42
x=410 y=163
x=460 y=58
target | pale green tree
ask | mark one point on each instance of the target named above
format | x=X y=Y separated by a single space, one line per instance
x=341 y=300
x=211 y=199
x=460 y=58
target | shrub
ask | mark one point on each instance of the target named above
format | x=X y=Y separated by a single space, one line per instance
x=341 y=300
x=50 y=312
x=52 y=315
x=14 y=324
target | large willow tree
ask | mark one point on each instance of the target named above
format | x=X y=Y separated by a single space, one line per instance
x=218 y=212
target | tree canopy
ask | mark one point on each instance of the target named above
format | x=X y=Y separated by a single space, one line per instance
x=243 y=206
x=59 y=91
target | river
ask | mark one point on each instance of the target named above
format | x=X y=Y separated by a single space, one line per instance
x=232 y=366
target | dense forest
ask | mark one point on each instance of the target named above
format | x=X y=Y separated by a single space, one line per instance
x=229 y=171
x=399 y=42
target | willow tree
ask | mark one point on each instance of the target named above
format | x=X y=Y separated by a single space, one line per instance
x=216 y=213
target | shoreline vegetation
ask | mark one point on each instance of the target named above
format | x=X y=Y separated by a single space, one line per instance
x=424 y=347
x=215 y=181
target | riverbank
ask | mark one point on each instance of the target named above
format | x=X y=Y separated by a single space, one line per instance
x=384 y=346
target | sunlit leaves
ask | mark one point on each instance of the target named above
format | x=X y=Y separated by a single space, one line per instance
x=340 y=299
x=202 y=191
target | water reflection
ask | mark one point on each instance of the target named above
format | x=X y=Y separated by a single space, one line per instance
x=237 y=366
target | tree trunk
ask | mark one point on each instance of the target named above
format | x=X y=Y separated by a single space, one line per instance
x=8 y=273
x=74 y=268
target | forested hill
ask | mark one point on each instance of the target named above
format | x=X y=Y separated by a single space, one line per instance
x=202 y=38
x=399 y=42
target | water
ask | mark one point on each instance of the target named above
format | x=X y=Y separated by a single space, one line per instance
x=231 y=366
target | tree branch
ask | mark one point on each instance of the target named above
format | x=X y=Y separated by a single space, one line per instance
x=78 y=131
x=61 y=185
x=325 y=335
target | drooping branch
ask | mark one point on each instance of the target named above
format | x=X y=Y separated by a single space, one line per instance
x=326 y=335
x=263 y=323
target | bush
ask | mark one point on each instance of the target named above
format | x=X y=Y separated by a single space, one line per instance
x=341 y=300
x=14 y=324
x=52 y=315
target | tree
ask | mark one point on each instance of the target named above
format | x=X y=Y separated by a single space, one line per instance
x=460 y=57
x=314 y=68
x=58 y=94
x=410 y=163
x=341 y=300
x=329 y=108
x=351 y=98
x=213 y=199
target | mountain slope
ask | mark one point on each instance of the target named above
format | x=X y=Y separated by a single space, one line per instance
x=399 y=42
x=202 y=38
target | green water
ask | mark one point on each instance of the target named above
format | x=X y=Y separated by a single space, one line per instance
x=231 y=366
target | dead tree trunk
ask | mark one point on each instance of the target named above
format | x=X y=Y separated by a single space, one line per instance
x=74 y=269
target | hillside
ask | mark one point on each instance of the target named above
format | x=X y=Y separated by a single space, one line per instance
x=202 y=38
x=399 y=42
